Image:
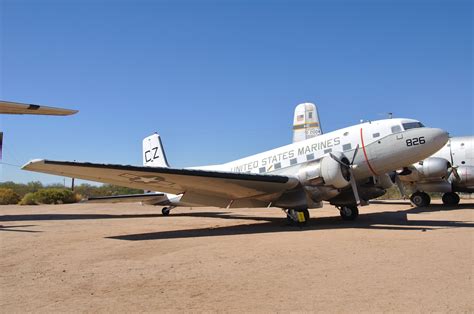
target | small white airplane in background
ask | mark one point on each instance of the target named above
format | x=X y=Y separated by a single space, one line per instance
x=8 y=107
x=294 y=177
x=449 y=170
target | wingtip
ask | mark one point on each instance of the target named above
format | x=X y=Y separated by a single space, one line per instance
x=32 y=162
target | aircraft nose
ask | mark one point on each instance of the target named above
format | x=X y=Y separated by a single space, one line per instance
x=439 y=137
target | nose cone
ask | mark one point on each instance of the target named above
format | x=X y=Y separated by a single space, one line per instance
x=438 y=138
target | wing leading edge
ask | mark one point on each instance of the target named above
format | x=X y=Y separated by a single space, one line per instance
x=200 y=187
x=8 y=107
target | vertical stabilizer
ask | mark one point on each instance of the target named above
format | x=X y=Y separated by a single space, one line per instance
x=153 y=153
x=306 y=122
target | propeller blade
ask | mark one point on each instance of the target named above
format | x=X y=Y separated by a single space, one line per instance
x=400 y=186
x=355 y=190
x=338 y=160
x=355 y=154
x=454 y=171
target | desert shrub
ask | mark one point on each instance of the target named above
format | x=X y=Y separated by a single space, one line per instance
x=7 y=196
x=28 y=199
x=54 y=196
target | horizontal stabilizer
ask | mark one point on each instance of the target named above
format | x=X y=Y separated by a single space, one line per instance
x=148 y=198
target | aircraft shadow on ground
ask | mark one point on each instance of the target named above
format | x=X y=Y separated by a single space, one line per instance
x=13 y=228
x=382 y=220
x=39 y=217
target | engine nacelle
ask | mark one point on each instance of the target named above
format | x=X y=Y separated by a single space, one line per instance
x=325 y=171
x=466 y=176
x=433 y=167
x=383 y=181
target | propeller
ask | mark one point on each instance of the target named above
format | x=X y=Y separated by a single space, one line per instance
x=396 y=179
x=453 y=169
x=350 y=167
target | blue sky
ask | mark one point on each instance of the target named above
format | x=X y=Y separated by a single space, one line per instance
x=219 y=79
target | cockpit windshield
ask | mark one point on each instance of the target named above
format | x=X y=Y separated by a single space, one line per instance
x=412 y=125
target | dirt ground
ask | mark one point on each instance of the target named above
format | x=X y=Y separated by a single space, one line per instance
x=128 y=258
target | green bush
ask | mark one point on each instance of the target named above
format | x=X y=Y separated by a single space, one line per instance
x=28 y=199
x=54 y=196
x=7 y=196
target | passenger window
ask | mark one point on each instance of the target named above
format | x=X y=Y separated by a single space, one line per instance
x=310 y=157
x=261 y=170
x=375 y=135
x=292 y=161
x=327 y=151
x=396 y=129
x=346 y=147
x=278 y=165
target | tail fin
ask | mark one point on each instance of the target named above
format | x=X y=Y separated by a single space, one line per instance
x=153 y=153
x=306 y=122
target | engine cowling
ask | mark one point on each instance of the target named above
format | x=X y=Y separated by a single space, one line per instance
x=466 y=176
x=325 y=171
x=433 y=167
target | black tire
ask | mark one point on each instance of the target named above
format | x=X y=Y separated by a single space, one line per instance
x=349 y=212
x=165 y=211
x=420 y=199
x=450 y=198
x=296 y=212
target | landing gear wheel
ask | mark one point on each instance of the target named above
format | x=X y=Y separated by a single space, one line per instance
x=298 y=217
x=165 y=211
x=420 y=199
x=349 y=212
x=450 y=198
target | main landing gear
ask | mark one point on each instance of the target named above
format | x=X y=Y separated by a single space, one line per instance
x=420 y=199
x=298 y=217
x=165 y=211
x=450 y=198
x=348 y=212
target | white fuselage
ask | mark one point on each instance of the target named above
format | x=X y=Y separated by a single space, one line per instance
x=382 y=148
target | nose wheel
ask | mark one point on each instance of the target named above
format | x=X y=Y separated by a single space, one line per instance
x=349 y=212
x=420 y=199
x=298 y=217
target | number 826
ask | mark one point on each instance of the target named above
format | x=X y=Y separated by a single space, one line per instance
x=415 y=141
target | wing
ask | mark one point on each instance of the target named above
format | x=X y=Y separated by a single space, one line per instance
x=8 y=107
x=200 y=187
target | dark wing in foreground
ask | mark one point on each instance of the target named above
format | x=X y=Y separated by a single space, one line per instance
x=8 y=107
x=200 y=187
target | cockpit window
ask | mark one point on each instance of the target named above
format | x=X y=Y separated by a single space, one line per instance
x=412 y=125
x=396 y=129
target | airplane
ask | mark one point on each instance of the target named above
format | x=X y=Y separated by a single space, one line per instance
x=449 y=170
x=293 y=177
x=8 y=107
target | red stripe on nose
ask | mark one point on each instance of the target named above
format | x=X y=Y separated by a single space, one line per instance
x=365 y=153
